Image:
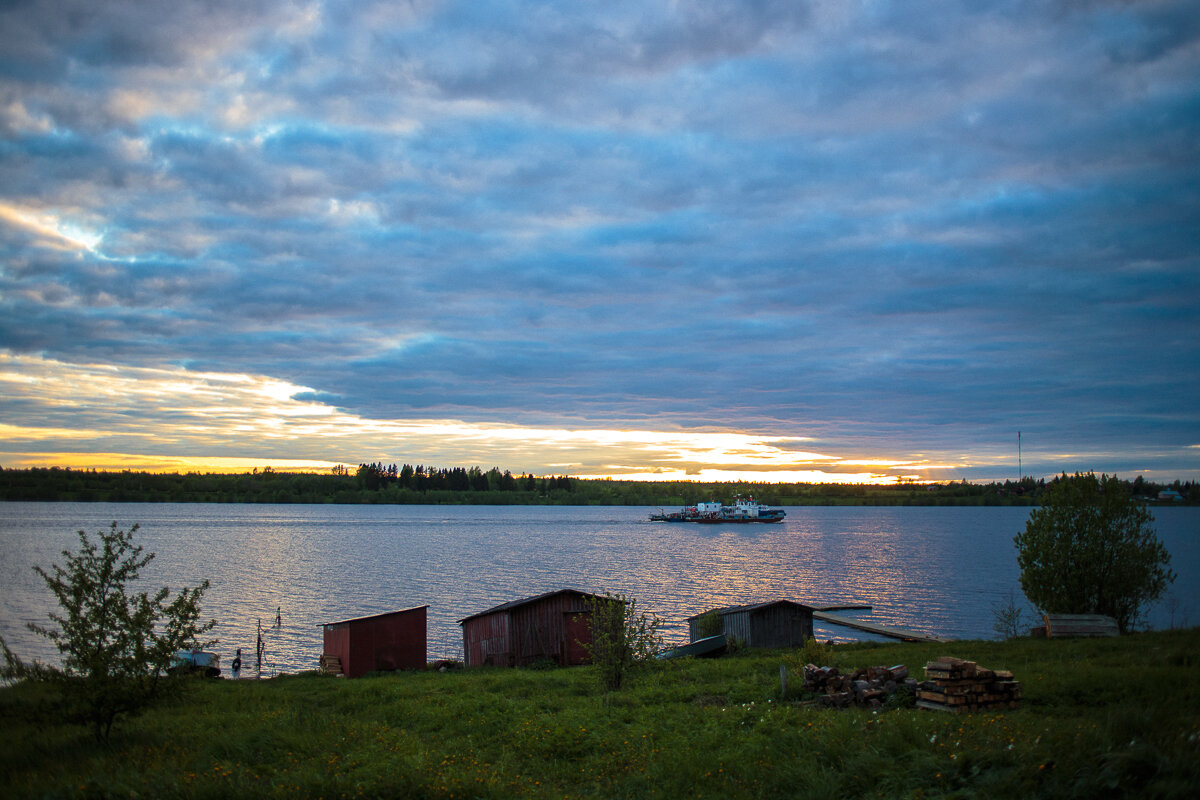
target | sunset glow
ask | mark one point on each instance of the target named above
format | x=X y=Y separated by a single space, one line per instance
x=196 y=411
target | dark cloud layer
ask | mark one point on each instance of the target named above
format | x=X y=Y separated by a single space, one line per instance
x=897 y=228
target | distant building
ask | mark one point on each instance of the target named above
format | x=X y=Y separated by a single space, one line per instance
x=383 y=642
x=549 y=627
x=779 y=623
x=1170 y=494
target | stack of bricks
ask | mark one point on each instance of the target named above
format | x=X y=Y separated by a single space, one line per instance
x=958 y=686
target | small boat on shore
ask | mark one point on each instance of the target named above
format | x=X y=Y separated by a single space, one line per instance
x=709 y=647
x=196 y=662
x=744 y=509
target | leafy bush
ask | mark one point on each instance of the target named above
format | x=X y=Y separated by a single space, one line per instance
x=116 y=647
x=1090 y=549
x=710 y=624
x=622 y=638
x=818 y=653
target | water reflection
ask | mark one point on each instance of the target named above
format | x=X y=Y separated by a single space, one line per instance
x=934 y=570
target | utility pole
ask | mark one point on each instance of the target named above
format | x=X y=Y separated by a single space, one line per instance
x=1020 y=469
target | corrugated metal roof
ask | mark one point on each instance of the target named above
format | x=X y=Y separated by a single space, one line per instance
x=750 y=607
x=516 y=603
x=376 y=616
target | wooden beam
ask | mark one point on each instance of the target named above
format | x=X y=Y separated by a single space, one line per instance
x=871 y=627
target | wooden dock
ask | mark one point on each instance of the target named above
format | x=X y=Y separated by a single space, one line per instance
x=871 y=627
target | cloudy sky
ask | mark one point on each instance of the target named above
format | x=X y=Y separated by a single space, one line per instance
x=798 y=241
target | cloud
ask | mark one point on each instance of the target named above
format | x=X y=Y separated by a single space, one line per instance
x=903 y=227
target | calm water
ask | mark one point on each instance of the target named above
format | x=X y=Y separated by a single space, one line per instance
x=938 y=570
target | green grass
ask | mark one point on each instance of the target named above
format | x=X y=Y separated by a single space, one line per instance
x=1100 y=718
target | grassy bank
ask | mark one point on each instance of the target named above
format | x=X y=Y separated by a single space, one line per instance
x=1099 y=718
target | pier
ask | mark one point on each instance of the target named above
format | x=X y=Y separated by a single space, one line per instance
x=871 y=627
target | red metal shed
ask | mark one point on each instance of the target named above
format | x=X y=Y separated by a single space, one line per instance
x=549 y=627
x=395 y=640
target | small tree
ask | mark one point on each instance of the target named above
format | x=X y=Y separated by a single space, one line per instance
x=1009 y=618
x=1090 y=549
x=116 y=647
x=622 y=638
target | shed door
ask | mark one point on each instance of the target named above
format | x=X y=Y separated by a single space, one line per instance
x=579 y=633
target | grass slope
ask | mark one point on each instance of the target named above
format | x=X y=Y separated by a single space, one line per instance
x=1100 y=718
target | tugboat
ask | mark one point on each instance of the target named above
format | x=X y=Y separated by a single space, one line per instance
x=744 y=509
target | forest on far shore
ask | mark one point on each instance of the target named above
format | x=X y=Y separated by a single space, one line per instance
x=377 y=483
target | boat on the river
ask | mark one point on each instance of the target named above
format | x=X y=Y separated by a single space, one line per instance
x=744 y=509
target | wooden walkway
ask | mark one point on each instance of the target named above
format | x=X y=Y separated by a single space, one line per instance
x=871 y=627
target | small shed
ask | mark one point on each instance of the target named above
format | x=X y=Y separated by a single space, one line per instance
x=395 y=640
x=549 y=627
x=778 y=623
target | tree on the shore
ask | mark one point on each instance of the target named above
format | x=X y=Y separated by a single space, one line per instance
x=1090 y=548
x=116 y=646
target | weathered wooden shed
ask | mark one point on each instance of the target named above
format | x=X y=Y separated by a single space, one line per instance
x=549 y=627
x=395 y=640
x=778 y=623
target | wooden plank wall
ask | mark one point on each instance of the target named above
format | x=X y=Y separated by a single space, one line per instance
x=486 y=641
x=780 y=626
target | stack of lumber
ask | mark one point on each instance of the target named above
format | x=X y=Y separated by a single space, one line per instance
x=870 y=687
x=958 y=686
x=331 y=665
x=1080 y=625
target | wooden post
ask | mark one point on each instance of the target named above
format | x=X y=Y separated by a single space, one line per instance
x=783 y=681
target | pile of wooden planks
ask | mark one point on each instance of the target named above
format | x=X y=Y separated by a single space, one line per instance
x=1080 y=625
x=331 y=664
x=958 y=686
x=870 y=687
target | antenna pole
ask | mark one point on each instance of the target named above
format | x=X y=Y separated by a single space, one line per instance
x=1020 y=469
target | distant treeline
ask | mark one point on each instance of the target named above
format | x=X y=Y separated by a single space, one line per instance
x=377 y=483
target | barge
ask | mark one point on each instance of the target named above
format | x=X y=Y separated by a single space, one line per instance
x=744 y=509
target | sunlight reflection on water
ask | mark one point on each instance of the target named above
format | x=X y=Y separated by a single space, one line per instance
x=937 y=570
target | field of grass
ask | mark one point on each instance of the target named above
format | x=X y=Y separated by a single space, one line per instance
x=1099 y=718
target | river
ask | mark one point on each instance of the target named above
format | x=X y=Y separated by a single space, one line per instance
x=937 y=570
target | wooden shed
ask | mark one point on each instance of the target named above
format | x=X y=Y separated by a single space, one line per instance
x=549 y=627
x=779 y=623
x=395 y=640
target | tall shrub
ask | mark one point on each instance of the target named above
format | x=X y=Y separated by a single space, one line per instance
x=622 y=637
x=1091 y=549
x=115 y=646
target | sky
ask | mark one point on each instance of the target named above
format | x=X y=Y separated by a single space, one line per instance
x=711 y=240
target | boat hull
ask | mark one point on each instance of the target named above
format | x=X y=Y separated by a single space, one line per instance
x=710 y=647
x=742 y=511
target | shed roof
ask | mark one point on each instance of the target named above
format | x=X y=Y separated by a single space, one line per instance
x=750 y=607
x=517 y=603
x=376 y=616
